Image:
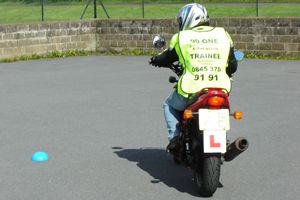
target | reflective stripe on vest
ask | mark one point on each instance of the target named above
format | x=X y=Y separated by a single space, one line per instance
x=204 y=56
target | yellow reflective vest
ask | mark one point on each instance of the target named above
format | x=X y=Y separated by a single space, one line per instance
x=203 y=53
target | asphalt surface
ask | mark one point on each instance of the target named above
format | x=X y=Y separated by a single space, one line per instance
x=100 y=120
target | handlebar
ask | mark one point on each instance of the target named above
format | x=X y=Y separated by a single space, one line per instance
x=176 y=69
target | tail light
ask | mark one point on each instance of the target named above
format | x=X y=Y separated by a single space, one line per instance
x=187 y=114
x=216 y=101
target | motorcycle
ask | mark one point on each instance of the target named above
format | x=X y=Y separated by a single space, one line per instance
x=203 y=143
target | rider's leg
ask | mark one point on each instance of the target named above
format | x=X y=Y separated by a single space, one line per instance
x=173 y=107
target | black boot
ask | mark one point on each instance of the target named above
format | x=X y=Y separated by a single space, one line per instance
x=173 y=145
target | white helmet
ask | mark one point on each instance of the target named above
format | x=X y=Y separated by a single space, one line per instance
x=192 y=15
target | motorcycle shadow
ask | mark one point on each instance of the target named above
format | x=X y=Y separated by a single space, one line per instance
x=159 y=164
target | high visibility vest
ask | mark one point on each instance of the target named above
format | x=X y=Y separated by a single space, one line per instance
x=203 y=53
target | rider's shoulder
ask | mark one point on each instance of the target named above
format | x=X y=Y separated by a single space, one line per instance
x=174 y=40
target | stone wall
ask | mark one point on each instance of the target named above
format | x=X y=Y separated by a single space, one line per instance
x=270 y=36
x=267 y=36
x=41 y=38
x=132 y=34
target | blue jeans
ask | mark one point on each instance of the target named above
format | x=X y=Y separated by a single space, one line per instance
x=173 y=107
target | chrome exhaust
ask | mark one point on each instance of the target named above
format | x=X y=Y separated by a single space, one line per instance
x=236 y=148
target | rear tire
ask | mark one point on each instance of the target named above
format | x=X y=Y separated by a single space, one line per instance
x=207 y=175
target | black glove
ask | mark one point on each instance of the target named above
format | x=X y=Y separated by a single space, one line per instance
x=153 y=62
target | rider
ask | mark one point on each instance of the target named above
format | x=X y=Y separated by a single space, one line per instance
x=206 y=56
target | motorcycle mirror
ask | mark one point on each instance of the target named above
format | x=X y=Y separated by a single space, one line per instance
x=239 y=55
x=173 y=79
x=159 y=42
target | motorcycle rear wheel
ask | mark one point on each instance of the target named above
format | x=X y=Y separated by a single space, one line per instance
x=207 y=175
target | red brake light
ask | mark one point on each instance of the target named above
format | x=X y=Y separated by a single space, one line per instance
x=216 y=101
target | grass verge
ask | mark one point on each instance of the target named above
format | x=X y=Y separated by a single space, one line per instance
x=54 y=54
x=126 y=52
x=262 y=56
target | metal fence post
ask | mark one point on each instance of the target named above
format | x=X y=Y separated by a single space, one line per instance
x=95 y=9
x=104 y=9
x=143 y=8
x=86 y=6
x=42 y=9
x=256 y=8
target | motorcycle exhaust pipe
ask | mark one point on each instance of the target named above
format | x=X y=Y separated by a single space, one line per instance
x=236 y=148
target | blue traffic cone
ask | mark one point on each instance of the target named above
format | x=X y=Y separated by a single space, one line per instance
x=40 y=156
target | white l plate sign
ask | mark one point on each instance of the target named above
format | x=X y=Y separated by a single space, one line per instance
x=214 y=141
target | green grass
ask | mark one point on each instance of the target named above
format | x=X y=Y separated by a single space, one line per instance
x=54 y=54
x=126 y=52
x=22 y=13
x=70 y=53
x=260 y=56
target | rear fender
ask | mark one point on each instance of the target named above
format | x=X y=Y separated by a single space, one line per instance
x=202 y=99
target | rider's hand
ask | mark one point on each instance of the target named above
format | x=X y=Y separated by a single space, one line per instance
x=153 y=62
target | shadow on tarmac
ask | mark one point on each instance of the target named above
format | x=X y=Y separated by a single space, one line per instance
x=158 y=164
